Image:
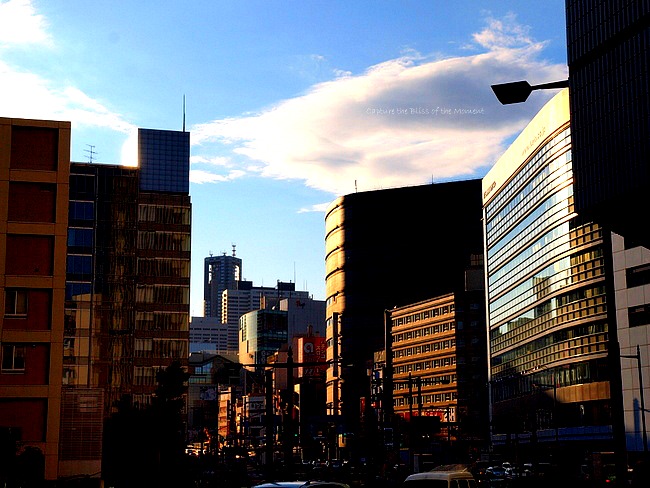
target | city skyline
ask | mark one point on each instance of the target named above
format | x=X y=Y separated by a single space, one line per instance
x=289 y=105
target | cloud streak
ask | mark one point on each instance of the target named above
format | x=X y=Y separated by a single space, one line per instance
x=402 y=122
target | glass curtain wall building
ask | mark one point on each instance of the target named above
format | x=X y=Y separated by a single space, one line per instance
x=547 y=317
x=128 y=271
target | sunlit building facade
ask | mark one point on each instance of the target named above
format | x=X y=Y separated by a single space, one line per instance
x=34 y=166
x=548 y=328
x=439 y=363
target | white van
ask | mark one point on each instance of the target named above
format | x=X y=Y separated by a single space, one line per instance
x=441 y=478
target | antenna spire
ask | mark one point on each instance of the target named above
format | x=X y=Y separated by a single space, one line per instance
x=90 y=152
x=183 y=113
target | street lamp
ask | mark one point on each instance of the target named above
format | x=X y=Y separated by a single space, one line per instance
x=518 y=91
x=637 y=356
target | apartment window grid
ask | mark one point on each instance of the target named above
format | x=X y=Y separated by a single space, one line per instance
x=420 y=349
x=429 y=381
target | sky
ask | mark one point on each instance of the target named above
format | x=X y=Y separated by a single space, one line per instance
x=289 y=103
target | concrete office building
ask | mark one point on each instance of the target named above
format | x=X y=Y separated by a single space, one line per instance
x=548 y=329
x=210 y=334
x=301 y=317
x=386 y=249
x=246 y=298
x=34 y=167
x=631 y=271
x=439 y=365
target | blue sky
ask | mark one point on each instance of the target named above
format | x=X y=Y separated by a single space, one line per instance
x=289 y=103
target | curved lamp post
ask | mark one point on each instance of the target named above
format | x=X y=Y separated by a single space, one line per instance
x=518 y=91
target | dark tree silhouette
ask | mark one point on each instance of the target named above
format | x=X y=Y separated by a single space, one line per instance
x=167 y=414
x=147 y=445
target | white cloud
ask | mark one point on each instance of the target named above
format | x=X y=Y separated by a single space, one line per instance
x=200 y=176
x=20 y=24
x=405 y=121
x=28 y=94
x=319 y=207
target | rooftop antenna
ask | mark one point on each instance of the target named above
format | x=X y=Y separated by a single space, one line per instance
x=91 y=152
x=234 y=252
x=183 y=113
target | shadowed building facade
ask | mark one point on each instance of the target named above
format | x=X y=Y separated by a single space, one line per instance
x=385 y=249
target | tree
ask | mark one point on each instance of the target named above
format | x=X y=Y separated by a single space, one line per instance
x=147 y=445
x=167 y=409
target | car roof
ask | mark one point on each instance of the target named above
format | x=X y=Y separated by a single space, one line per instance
x=440 y=475
x=301 y=484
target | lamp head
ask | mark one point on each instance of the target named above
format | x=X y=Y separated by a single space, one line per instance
x=514 y=92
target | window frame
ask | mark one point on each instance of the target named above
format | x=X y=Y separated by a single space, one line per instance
x=17 y=352
x=16 y=292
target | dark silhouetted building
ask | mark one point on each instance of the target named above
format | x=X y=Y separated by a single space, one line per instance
x=608 y=45
x=385 y=249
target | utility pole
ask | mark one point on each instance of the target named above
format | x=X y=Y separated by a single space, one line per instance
x=269 y=419
x=288 y=424
x=642 y=409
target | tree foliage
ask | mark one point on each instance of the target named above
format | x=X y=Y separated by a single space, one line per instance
x=147 y=445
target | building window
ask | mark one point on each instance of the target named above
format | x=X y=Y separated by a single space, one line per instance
x=638 y=316
x=13 y=358
x=638 y=276
x=15 y=303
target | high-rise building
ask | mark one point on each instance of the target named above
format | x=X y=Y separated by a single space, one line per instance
x=608 y=55
x=34 y=167
x=549 y=333
x=127 y=289
x=127 y=286
x=386 y=249
x=219 y=273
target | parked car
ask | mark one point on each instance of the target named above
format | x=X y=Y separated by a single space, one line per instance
x=302 y=484
x=441 y=478
x=495 y=473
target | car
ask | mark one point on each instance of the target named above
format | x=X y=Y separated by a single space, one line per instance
x=302 y=484
x=441 y=477
x=495 y=472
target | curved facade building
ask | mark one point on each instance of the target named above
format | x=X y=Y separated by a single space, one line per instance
x=548 y=330
x=384 y=249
